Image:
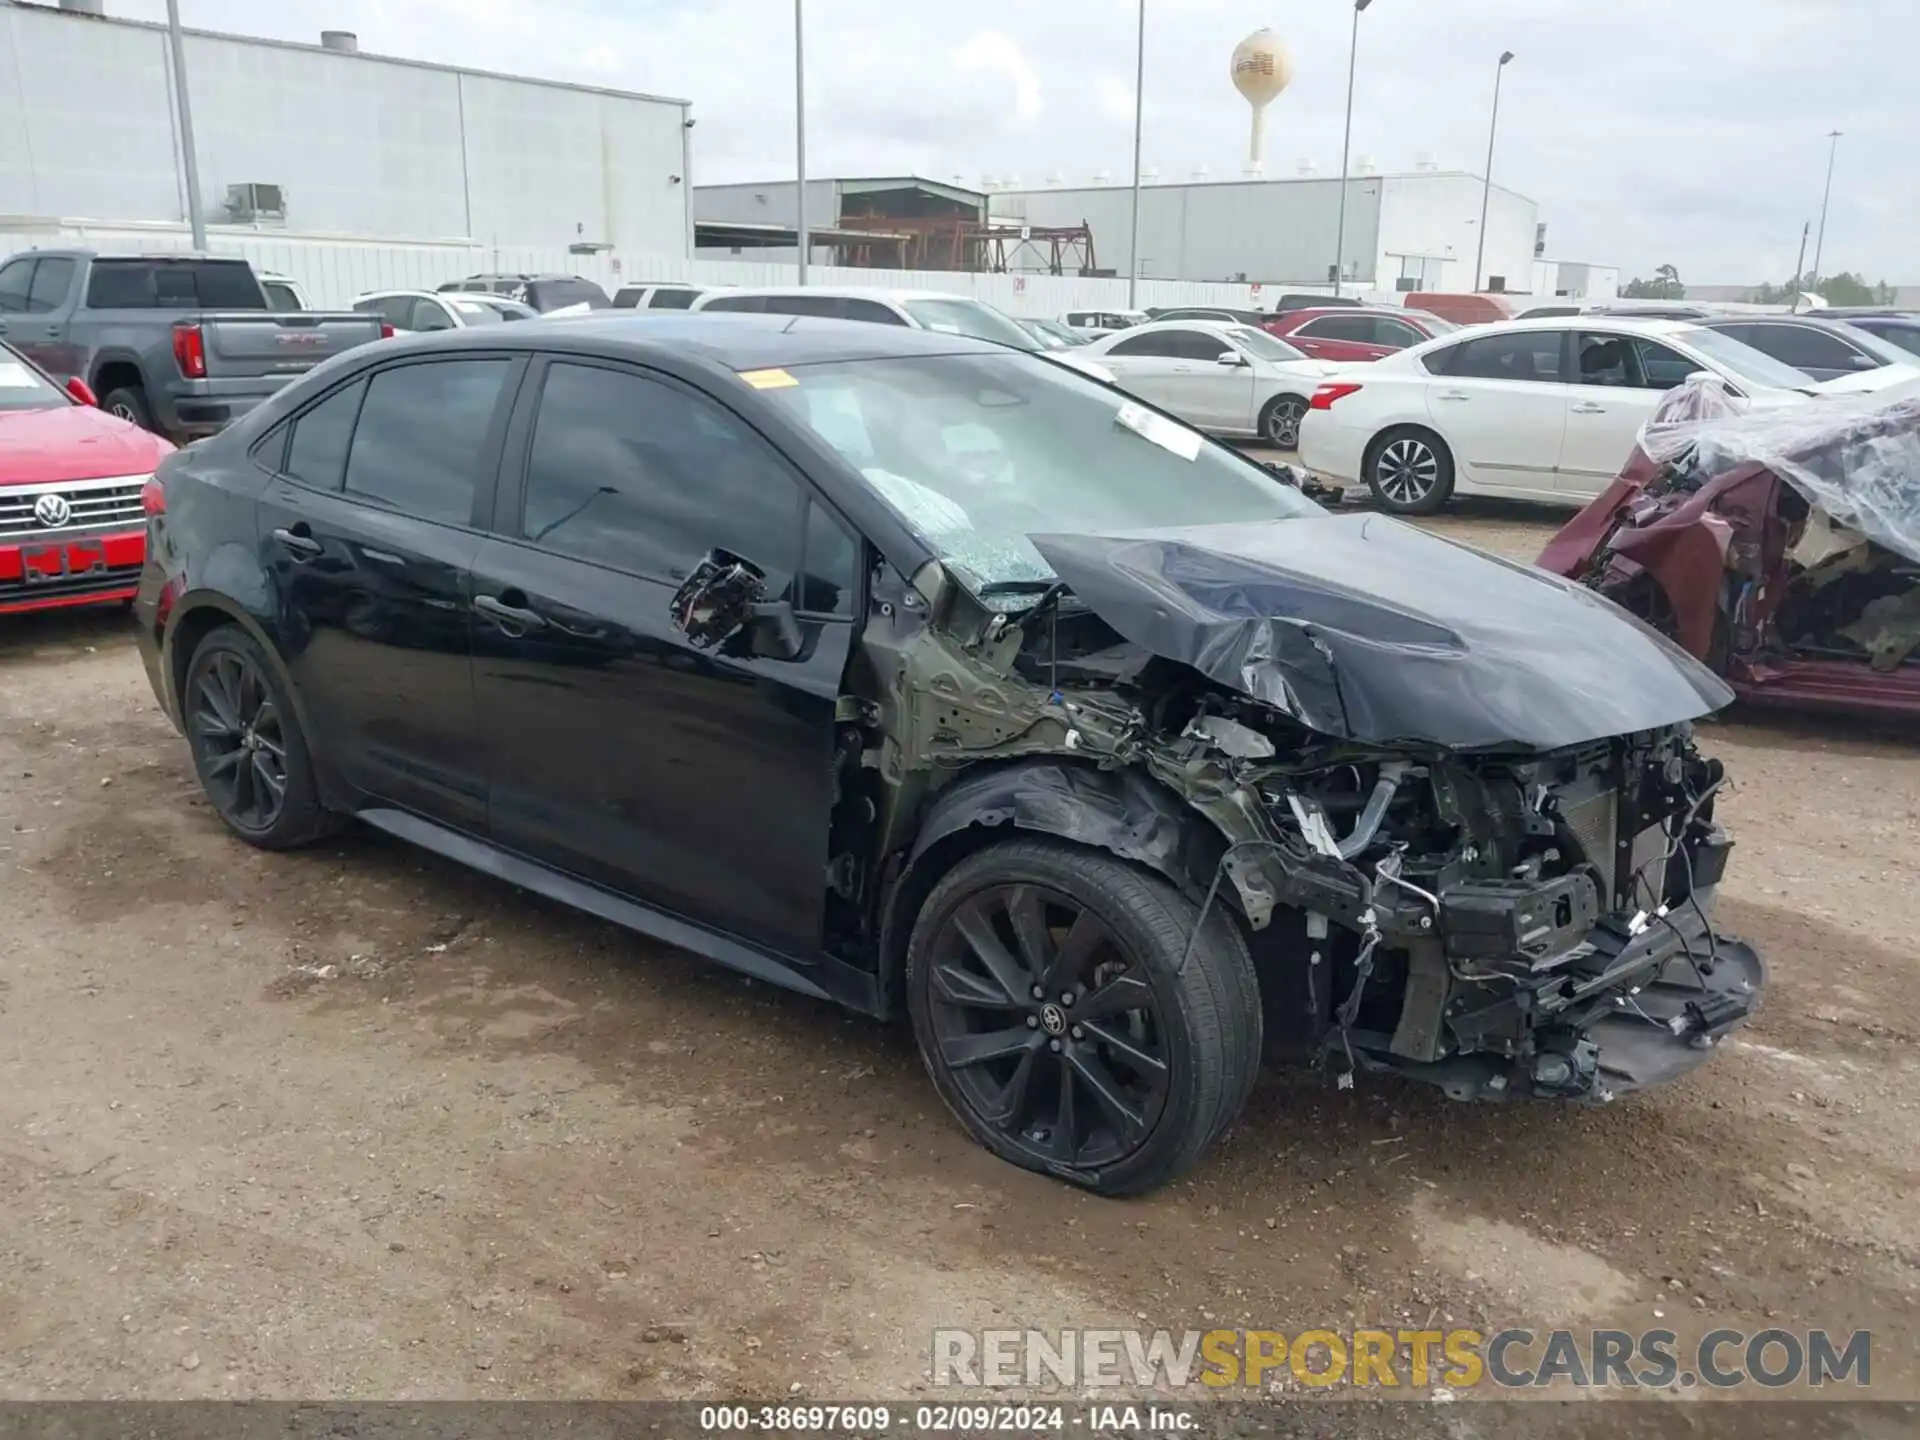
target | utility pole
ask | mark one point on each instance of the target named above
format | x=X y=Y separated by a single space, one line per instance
x=1820 y=245
x=799 y=135
x=1139 y=115
x=1346 y=150
x=1800 y=268
x=196 y=221
x=1486 y=199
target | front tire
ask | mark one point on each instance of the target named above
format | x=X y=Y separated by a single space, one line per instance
x=1409 y=471
x=1280 y=421
x=248 y=748
x=1064 y=1022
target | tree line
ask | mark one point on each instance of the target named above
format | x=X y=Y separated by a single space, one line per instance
x=1845 y=288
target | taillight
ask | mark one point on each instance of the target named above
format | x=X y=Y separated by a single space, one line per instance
x=1324 y=397
x=153 y=497
x=190 y=351
x=386 y=329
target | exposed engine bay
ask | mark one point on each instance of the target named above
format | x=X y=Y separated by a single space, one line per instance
x=1506 y=919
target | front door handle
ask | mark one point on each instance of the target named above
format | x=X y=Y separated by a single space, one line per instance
x=519 y=617
x=1451 y=395
x=298 y=541
x=1587 y=407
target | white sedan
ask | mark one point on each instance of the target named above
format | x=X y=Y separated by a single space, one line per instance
x=1222 y=378
x=1532 y=409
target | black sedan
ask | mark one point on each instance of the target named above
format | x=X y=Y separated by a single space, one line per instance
x=930 y=677
x=1823 y=349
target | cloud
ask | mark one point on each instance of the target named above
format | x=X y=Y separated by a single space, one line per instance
x=992 y=51
x=1649 y=131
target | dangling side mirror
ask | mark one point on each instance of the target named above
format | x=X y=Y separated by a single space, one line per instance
x=722 y=605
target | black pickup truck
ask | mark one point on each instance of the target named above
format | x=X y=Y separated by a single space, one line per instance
x=183 y=344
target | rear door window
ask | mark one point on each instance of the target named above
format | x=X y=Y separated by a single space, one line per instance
x=825 y=307
x=52 y=279
x=745 y=303
x=421 y=438
x=317 y=449
x=672 y=299
x=1159 y=344
x=1531 y=355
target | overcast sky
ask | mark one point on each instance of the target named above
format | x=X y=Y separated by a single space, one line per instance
x=1690 y=132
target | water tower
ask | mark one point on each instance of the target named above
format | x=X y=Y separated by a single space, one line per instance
x=1261 y=69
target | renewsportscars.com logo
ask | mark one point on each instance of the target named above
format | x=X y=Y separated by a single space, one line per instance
x=1220 y=1360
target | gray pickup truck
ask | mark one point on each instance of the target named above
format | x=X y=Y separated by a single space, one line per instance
x=180 y=344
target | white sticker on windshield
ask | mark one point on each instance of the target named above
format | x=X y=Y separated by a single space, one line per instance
x=1169 y=435
x=15 y=376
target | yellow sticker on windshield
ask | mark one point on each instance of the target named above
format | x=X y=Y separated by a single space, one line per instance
x=768 y=379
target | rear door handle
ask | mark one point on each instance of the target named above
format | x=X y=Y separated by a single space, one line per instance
x=1451 y=395
x=298 y=541
x=517 y=616
x=1587 y=407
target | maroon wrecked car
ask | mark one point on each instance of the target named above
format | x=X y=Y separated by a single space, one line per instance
x=1781 y=547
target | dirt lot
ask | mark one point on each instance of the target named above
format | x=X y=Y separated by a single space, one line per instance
x=357 y=1123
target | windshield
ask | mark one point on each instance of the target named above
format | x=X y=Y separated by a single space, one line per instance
x=1743 y=360
x=24 y=388
x=473 y=312
x=1049 y=337
x=1261 y=345
x=1435 y=326
x=970 y=317
x=977 y=452
x=505 y=309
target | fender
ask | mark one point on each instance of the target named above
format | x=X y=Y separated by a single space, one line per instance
x=1124 y=812
x=173 y=663
x=100 y=359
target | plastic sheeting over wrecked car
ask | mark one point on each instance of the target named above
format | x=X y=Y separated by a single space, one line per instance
x=1366 y=628
x=1855 y=458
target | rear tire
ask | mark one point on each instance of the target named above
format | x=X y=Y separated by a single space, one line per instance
x=247 y=745
x=129 y=402
x=1409 y=471
x=1124 y=1066
x=1280 y=421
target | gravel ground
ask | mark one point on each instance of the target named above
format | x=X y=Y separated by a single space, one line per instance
x=356 y=1123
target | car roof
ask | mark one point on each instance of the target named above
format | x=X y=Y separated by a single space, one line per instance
x=734 y=340
x=1630 y=324
x=1178 y=324
x=1816 y=322
x=851 y=292
x=1315 y=311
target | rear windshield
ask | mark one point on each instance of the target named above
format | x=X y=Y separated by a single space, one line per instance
x=174 y=285
x=558 y=294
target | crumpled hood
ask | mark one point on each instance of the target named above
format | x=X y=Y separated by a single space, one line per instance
x=1369 y=629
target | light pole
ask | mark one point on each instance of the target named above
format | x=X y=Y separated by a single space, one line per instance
x=1493 y=126
x=800 y=135
x=1346 y=150
x=1139 y=114
x=1833 y=151
x=196 y=221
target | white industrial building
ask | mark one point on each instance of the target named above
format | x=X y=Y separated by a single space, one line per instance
x=323 y=140
x=1416 y=230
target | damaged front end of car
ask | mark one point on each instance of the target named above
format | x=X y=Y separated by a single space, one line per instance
x=1455 y=804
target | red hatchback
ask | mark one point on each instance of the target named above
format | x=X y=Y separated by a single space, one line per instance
x=72 y=510
x=1348 y=333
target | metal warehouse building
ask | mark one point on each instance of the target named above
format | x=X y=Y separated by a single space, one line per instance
x=1419 y=230
x=323 y=140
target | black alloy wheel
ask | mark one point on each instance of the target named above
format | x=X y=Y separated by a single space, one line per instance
x=247 y=746
x=1280 y=421
x=1055 y=1019
x=1049 y=1027
x=238 y=742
